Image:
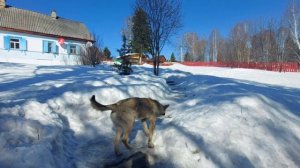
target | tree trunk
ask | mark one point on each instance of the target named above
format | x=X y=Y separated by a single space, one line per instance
x=157 y=65
x=154 y=65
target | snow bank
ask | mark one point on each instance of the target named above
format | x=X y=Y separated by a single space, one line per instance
x=218 y=117
x=286 y=79
x=232 y=122
x=45 y=113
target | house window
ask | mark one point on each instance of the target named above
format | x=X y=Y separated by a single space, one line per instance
x=49 y=47
x=14 y=43
x=72 y=49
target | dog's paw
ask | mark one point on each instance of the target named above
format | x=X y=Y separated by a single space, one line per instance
x=129 y=147
x=126 y=144
x=150 y=145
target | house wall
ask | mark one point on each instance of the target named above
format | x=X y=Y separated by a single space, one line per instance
x=34 y=53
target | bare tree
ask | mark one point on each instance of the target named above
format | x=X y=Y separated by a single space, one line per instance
x=293 y=17
x=127 y=28
x=201 y=49
x=236 y=40
x=91 y=54
x=214 y=41
x=223 y=50
x=240 y=42
x=164 y=18
x=270 y=41
x=264 y=42
x=189 y=43
x=282 y=35
x=257 y=42
x=291 y=49
x=195 y=46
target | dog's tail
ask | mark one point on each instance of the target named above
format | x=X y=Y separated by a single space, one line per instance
x=97 y=105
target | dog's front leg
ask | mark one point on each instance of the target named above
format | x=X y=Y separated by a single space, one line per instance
x=151 y=131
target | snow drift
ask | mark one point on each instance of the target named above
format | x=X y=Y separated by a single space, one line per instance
x=219 y=117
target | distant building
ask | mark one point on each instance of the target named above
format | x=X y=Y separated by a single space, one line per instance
x=136 y=58
x=162 y=60
x=27 y=36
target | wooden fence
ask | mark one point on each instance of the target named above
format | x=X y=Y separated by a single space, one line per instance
x=274 y=66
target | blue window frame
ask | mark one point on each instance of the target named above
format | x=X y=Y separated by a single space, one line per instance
x=15 y=43
x=50 y=47
x=73 y=49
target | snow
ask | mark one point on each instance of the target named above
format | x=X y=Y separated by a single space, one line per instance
x=218 y=117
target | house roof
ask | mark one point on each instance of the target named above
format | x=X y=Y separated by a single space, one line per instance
x=20 y=20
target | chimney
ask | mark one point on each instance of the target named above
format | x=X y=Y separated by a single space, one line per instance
x=2 y=4
x=53 y=14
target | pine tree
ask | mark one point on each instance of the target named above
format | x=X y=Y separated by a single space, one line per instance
x=173 y=58
x=141 y=32
x=106 y=53
x=126 y=47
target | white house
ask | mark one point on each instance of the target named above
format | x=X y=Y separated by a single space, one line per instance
x=31 y=37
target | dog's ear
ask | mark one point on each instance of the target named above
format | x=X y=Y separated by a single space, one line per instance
x=166 y=106
x=92 y=98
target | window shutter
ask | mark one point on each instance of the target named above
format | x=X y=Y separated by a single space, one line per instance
x=53 y=47
x=68 y=48
x=78 y=49
x=45 y=46
x=23 y=44
x=6 y=42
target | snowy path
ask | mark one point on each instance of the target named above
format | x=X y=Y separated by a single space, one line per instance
x=218 y=117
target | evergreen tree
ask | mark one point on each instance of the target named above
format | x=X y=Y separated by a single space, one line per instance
x=126 y=47
x=106 y=53
x=140 y=31
x=173 y=59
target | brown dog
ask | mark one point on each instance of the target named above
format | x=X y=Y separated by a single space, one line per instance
x=124 y=113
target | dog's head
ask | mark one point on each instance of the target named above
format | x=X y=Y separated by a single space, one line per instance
x=162 y=109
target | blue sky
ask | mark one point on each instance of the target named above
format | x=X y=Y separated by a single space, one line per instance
x=107 y=17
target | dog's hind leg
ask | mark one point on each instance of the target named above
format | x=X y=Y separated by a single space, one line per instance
x=151 y=131
x=117 y=140
x=126 y=134
x=146 y=130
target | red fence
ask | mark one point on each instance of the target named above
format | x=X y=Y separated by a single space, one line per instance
x=280 y=67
